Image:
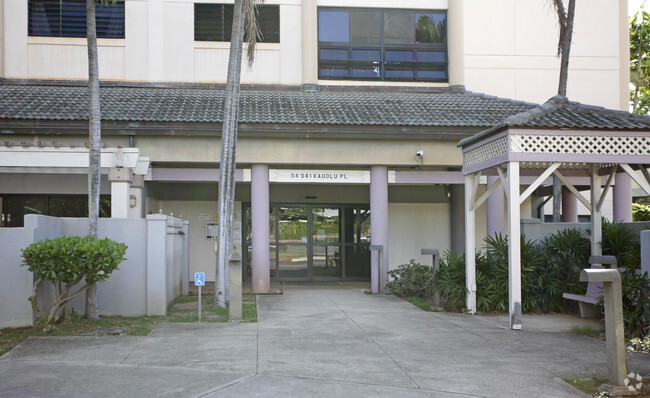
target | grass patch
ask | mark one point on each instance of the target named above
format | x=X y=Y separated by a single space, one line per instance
x=184 y=309
x=78 y=326
x=587 y=330
x=425 y=305
x=587 y=385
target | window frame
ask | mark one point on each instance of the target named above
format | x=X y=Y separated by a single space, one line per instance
x=350 y=65
x=120 y=6
x=227 y=25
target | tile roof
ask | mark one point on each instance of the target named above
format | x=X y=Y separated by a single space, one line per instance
x=201 y=104
x=560 y=113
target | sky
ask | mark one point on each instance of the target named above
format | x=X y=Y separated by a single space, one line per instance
x=634 y=5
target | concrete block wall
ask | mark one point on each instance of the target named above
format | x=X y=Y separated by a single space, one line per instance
x=16 y=282
x=536 y=230
x=145 y=283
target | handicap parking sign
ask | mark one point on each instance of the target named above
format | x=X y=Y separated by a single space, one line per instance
x=199 y=279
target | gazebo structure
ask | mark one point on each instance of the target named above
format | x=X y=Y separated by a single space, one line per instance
x=558 y=138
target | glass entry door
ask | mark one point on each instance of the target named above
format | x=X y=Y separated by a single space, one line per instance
x=326 y=244
x=316 y=242
x=308 y=245
x=292 y=246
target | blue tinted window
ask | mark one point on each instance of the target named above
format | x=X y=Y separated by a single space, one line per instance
x=432 y=74
x=431 y=56
x=334 y=26
x=399 y=73
x=67 y=18
x=430 y=28
x=334 y=71
x=366 y=55
x=382 y=44
x=366 y=73
x=399 y=56
x=334 y=55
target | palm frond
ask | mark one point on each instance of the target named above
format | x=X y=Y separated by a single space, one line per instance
x=253 y=31
x=562 y=20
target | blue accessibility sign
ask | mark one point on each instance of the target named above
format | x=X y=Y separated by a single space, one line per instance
x=199 y=279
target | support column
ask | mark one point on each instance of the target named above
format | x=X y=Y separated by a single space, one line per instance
x=379 y=220
x=456 y=37
x=622 y=197
x=457 y=218
x=309 y=42
x=569 y=206
x=495 y=206
x=514 y=248
x=557 y=199
x=260 y=263
x=596 y=222
x=120 y=178
x=470 y=244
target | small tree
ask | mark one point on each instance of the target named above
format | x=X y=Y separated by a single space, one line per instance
x=65 y=262
x=639 y=56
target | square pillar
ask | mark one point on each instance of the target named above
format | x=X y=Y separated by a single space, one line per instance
x=379 y=222
x=622 y=197
x=156 y=264
x=120 y=178
x=470 y=244
x=514 y=247
x=569 y=206
x=260 y=263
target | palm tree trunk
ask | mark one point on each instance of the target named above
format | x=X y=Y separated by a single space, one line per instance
x=227 y=160
x=566 y=34
x=566 y=49
x=94 y=148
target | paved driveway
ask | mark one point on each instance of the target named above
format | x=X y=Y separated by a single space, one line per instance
x=315 y=341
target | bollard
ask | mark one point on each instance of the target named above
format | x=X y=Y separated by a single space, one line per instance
x=435 y=267
x=614 y=331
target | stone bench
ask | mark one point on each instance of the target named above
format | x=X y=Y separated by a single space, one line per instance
x=587 y=302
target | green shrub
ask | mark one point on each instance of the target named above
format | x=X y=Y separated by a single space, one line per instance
x=411 y=280
x=492 y=276
x=450 y=282
x=620 y=241
x=636 y=303
x=64 y=262
x=640 y=212
x=566 y=253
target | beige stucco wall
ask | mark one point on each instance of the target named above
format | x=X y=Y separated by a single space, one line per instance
x=510 y=48
x=56 y=184
x=287 y=151
x=413 y=226
x=202 y=254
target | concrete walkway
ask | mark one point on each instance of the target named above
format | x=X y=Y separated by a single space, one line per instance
x=316 y=341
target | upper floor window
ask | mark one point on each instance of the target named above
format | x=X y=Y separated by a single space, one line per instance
x=213 y=22
x=382 y=44
x=67 y=18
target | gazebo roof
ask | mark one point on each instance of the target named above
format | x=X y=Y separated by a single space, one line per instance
x=560 y=131
x=558 y=113
x=558 y=134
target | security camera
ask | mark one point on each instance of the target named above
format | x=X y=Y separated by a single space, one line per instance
x=419 y=153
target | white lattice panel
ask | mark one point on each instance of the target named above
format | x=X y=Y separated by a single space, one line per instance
x=485 y=152
x=580 y=145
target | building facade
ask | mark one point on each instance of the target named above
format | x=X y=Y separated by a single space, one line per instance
x=350 y=117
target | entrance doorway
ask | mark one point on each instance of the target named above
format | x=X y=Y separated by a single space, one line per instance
x=318 y=242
